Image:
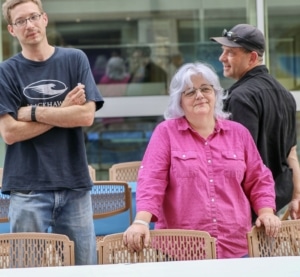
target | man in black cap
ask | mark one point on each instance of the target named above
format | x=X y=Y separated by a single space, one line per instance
x=265 y=107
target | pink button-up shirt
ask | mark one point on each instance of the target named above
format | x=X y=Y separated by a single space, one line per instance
x=187 y=182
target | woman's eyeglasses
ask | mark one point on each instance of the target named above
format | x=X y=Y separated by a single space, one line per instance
x=205 y=90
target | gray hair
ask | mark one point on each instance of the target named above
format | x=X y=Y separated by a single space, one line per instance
x=116 y=69
x=182 y=79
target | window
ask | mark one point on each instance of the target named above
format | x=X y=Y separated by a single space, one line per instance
x=169 y=33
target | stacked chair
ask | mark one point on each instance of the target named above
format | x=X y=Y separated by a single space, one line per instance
x=4 y=206
x=4 y=202
x=111 y=198
x=114 y=196
x=127 y=171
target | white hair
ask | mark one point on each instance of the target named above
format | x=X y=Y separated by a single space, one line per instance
x=182 y=79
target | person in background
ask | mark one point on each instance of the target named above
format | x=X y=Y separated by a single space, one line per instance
x=265 y=107
x=143 y=69
x=47 y=94
x=176 y=61
x=99 y=67
x=115 y=72
x=201 y=171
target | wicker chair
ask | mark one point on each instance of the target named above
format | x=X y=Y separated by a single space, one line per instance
x=166 y=245
x=35 y=250
x=287 y=243
x=92 y=172
x=110 y=198
x=126 y=172
x=286 y=215
x=4 y=202
x=4 y=206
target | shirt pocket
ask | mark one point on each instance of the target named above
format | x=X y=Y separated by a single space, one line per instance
x=185 y=164
x=234 y=164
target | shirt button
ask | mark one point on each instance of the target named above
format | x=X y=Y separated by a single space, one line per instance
x=212 y=200
x=211 y=180
x=209 y=161
x=183 y=156
x=205 y=143
x=214 y=220
x=234 y=156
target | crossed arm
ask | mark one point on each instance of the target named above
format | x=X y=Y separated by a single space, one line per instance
x=73 y=112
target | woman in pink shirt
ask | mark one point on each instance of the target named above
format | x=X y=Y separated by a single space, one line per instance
x=202 y=171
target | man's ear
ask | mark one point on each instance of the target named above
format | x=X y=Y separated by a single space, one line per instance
x=254 y=57
x=11 y=30
x=45 y=18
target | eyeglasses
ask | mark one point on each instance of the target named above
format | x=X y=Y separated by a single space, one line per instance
x=205 y=90
x=234 y=37
x=23 y=21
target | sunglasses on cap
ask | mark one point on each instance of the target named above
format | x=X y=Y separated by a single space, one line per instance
x=235 y=38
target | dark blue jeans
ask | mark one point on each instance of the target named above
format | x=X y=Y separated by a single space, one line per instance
x=66 y=212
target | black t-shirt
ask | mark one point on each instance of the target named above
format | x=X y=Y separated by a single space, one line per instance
x=268 y=110
x=55 y=159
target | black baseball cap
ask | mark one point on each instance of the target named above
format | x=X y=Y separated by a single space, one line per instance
x=243 y=35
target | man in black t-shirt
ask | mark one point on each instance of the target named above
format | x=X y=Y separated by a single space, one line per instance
x=47 y=94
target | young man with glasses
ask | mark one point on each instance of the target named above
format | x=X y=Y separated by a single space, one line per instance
x=47 y=95
x=265 y=107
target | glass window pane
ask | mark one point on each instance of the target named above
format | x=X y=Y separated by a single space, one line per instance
x=284 y=41
x=115 y=140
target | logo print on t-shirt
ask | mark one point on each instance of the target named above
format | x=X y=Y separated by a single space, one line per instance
x=44 y=89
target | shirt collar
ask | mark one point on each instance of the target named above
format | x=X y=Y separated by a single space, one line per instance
x=184 y=125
